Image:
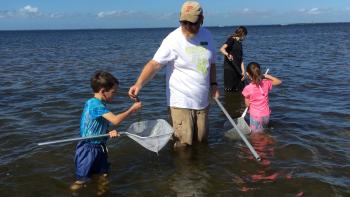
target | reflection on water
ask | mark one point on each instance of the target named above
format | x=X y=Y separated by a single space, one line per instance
x=234 y=103
x=190 y=177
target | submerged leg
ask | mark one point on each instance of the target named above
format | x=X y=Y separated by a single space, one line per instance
x=102 y=184
x=201 y=128
x=77 y=185
x=182 y=120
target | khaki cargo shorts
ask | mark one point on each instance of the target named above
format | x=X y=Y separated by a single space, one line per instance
x=189 y=124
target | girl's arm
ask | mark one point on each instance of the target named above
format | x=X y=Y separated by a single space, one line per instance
x=246 y=102
x=275 y=81
x=224 y=52
x=243 y=71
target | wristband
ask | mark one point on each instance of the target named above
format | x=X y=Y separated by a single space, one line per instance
x=213 y=84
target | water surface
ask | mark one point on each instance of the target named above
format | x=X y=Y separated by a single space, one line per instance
x=44 y=82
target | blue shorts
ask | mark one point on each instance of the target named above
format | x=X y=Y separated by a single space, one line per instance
x=90 y=159
x=259 y=124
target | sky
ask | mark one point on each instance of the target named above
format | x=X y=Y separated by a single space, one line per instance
x=92 y=14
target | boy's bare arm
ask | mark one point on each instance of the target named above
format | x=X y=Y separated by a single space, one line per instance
x=117 y=119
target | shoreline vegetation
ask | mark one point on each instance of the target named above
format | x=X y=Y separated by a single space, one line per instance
x=218 y=26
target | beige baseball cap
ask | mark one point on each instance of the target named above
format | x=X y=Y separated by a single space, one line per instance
x=191 y=11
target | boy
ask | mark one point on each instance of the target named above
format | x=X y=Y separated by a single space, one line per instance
x=91 y=155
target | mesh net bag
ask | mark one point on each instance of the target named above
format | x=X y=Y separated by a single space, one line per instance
x=242 y=126
x=151 y=134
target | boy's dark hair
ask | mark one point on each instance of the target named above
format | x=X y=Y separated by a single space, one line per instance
x=253 y=69
x=102 y=79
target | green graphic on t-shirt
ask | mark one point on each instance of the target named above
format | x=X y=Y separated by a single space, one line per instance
x=199 y=57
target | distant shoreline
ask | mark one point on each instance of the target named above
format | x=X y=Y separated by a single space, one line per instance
x=218 y=26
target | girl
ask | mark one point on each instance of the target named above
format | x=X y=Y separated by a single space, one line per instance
x=257 y=96
x=233 y=62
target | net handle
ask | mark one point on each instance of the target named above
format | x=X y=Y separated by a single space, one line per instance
x=252 y=150
x=99 y=136
x=72 y=139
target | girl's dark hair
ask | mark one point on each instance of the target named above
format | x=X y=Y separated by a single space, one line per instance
x=102 y=79
x=253 y=69
x=240 y=32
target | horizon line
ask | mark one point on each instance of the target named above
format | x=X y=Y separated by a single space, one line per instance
x=128 y=28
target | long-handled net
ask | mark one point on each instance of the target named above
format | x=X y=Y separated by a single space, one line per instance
x=241 y=125
x=151 y=134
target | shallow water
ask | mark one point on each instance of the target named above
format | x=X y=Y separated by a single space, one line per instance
x=44 y=81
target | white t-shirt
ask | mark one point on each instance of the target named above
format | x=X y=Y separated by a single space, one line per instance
x=188 y=68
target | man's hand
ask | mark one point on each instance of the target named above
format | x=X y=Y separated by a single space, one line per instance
x=133 y=92
x=215 y=91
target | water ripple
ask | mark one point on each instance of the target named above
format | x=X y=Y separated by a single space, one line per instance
x=45 y=82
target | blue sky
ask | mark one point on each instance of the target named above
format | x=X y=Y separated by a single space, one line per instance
x=77 y=14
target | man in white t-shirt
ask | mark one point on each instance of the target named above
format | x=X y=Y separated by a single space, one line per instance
x=189 y=56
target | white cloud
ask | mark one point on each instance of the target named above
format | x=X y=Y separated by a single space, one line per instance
x=246 y=10
x=26 y=11
x=313 y=11
x=6 y=13
x=316 y=11
x=136 y=15
x=55 y=15
x=167 y=16
x=253 y=12
x=29 y=10
x=104 y=14
x=115 y=13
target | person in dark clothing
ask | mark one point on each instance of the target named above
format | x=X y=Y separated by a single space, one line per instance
x=233 y=63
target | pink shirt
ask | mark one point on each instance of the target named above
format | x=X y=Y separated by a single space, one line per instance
x=258 y=97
